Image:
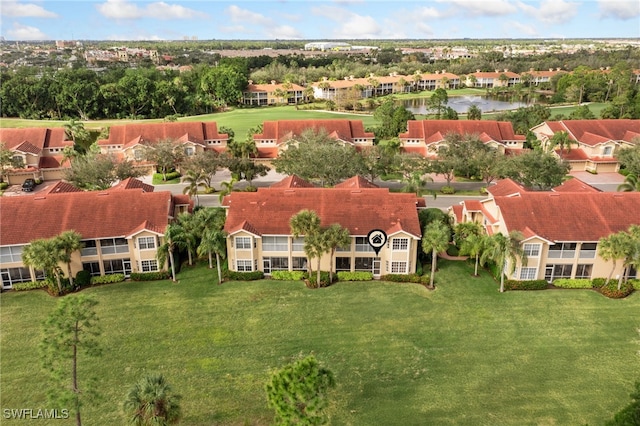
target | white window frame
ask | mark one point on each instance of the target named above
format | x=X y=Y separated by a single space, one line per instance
x=399 y=267
x=275 y=243
x=150 y=265
x=244 y=265
x=527 y=274
x=243 y=243
x=531 y=249
x=399 y=244
x=607 y=151
x=146 y=243
x=11 y=254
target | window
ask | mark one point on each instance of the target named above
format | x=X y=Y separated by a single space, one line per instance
x=11 y=276
x=243 y=266
x=243 y=243
x=400 y=244
x=532 y=250
x=117 y=266
x=298 y=244
x=562 y=250
x=588 y=250
x=553 y=272
x=189 y=151
x=299 y=263
x=275 y=244
x=92 y=267
x=114 y=245
x=89 y=249
x=363 y=264
x=606 y=152
x=275 y=264
x=528 y=273
x=345 y=248
x=362 y=245
x=11 y=254
x=398 y=267
x=149 y=265
x=146 y=243
x=138 y=154
x=343 y=264
x=584 y=271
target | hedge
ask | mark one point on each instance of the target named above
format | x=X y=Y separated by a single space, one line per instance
x=311 y=281
x=150 y=276
x=3 y=185
x=243 y=276
x=525 y=285
x=402 y=278
x=635 y=283
x=611 y=290
x=355 y=276
x=573 y=283
x=287 y=275
x=107 y=279
x=448 y=190
x=31 y=285
x=83 y=279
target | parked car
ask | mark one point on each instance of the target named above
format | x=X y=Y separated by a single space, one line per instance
x=28 y=185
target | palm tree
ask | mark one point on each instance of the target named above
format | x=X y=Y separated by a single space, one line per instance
x=226 y=188
x=474 y=246
x=614 y=247
x=562 y=140
x=435 y=239
x=474 y=113
x=306 y=223
x=75 y=130
x=214 y=241
x=187 y=235
x=335 y=236
x=44 y=254
x=151 y=401
x=502 y=250
x=631 y=184
x=168 y=247
x=68 y=242
x=194 y=179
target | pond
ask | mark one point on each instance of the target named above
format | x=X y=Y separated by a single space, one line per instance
x=462 y=103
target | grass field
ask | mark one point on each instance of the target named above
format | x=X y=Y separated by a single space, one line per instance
x=402 y=355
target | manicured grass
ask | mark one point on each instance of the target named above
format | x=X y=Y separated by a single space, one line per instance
x=157 y=180
x=402 y=355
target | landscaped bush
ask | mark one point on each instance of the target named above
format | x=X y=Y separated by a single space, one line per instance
x=419 y=268
x=83 y=279
x=150 y=276
x=573 y=283
x=611 y=290
x=448 y=190
x=173 y=175
x=354 y=276
x=243 y=276
x=525 y=285
x=107 y=279
x=425 y=279
x=635 y=284
x=598 y=282
x=311 y=281
x=31 y=285
x=453 y=250
x=3 y=186
x=251 y=189
x=287 y=275
x=402 y=278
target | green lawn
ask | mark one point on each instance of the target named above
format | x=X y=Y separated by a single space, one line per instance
x=402 y=355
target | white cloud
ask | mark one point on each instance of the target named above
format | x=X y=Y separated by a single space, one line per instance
x=25 y=10
x=522 y=29
x=124 y=9
x=247 y=17
x=25 y=32
x=551 y=11
x=619 y=9
x=425 y=29
x=480 y=7
x=352 y=24
x=284 y=32
x=427 y=13
x=136 y=37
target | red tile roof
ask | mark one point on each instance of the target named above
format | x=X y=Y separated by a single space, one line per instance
x=436 y=130
x=571 y=216
x=593 y=132
x=356 y=182
x=193 y=131
x=506 y=187
x=284 y=130
x=575 y=185
x=38 y=137
x=132 y=183
x=93 y=214
x=62 y=186
x=293 y=182
x=272 y=87
x=53 y=162
x=269 y=209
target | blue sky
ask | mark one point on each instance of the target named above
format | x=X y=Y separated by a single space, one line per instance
x=310 y=20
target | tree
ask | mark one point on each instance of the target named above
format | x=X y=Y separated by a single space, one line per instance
x=504 y=249
x=75 y=131
x=246 y=169
x=435 y=239
x=8 y=161
x=171 y=242
x=563 y=140
x=438 y=101
x=152 y=402
x=629 y=415
x=95 y=171
x=392 y=117
x=631 y=183
x=226 y=188
x=43 y=254
x=474 y=246
x=535 y=169
x=186 y=236
x=213 y=238
x=224 y=84
x=194 y=179
x=378 y=160
x=166 y=154
x=68 y=242
x=335 y=236
x=69 y=330
x=613 y=247
x=474 y=113
x=306 y=223
x=629 y=158
x=299 y=392
x=206 y=163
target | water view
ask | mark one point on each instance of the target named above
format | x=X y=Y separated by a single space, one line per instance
x=462 y=103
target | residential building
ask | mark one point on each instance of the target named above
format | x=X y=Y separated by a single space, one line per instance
x=490 y=79
x=276 y=134
x=260 y=238
x=594 y=142
x=425 y=137
x=272 y=94
x=537 y=78
x=39 y=150
x=561 y=227
x=121 y=228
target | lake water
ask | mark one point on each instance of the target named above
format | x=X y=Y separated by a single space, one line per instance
x=462 y=103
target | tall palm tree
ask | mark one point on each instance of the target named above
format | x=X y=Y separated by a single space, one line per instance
x=335 y=236
x=151 y=401
x=435 y=239
x=503 y=249
x=168 y=247
x=68 y=242
x=226 y=188
x=187 y=234
x=561 y=139
x=44 y=254
x=614 y=247
x=631 y=184
x=214 y=241
x=474 y=246
x=306 y=223
x=194 y=179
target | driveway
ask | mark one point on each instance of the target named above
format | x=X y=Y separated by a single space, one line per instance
x=607 y=182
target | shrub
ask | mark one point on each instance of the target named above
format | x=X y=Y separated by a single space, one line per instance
x=448 y=190
x=354 y=276
x=107 y=279
x=611 y=290
x=402 y=278
x=598 y=282
x=38 y=181
x=173 y=175
x=635 y=284
x=453 y=250
x=251 y=189
x=311 y=281
x=150 y=276
x=3 y=186
x=419 y=268
x=287 y=275
x=31 y=285
x=572 y=283
x=243 y=276
x=83 y=279
x=425 y=279
x=525 y=285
